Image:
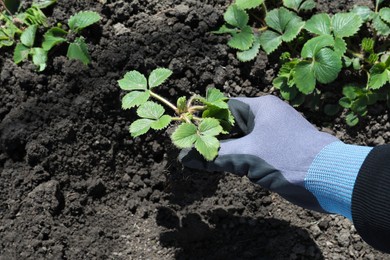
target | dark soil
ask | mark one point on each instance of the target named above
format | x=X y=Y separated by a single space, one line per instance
x=75 y=185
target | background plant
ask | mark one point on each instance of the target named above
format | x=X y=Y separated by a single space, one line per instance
x=199 y=120
x=316 y=50
x=21 y=29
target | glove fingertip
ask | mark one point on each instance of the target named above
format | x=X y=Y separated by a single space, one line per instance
x=192 y=159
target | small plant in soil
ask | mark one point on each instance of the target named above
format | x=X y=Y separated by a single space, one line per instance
x=199 y=120
x=22 y=29
x=315 y=52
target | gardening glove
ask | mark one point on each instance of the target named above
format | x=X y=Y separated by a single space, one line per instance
x=283 y=152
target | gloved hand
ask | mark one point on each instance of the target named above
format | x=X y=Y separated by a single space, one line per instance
x=283 y=152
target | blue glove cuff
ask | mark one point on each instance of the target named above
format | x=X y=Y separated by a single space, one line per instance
x=332 y=175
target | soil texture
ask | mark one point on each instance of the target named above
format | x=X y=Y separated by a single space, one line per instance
x=75 y=185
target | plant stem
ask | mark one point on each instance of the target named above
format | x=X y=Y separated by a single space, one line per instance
x=196 y=108
x=191 y=100
x=368 y=78
x=163 y=100
x=355 y=54
x=257 y=18
x=5 y=7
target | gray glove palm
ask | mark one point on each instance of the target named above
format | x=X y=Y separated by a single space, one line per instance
x=276 y=150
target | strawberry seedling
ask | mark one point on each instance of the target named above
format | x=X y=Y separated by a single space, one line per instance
x=199 y=119
x=77 y=48
x=22 y=28
x=315 y=51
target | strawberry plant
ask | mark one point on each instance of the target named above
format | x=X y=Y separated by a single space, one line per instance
x=199 y=119
x=77 y=48
x=316 y=50
x=21 y=28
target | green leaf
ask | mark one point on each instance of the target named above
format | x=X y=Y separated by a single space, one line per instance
x=298 y=100
x=299 y=5
x=380 y=26
x=359 y=106
x=21 y=53
x=6 y=43
x=161 y=123
x=350 y=91
x=345 y=102
x=236 y=16
x=308 y=5
x=214 y=97
x=340 y=46
x=385 y=58
x=43 y=3
x=204 y=137
x=184 y=136
x=182 y=104
x=379 y=75
x=28 y=36
x=278 y=20
x=327 y=65
x=346 y=24
x=278 y=82
x=248 y=4
x=140 y=127
x=287 y=23
x=53 y=37
x=351 y=119
x=347 y=61
x=384 y=13
x=224 y=117
x=319 y=24
x=210 y=127
x=364 y=12
x=287 y=92
x=292 y=4
x=133 y=80
x=250 y=54
x=356 y=64
x=83 y=19
x=242 y=40
x=135 y=98
x=287 y=69
x=158 y=77
x=270 y=41
x=314 y=45
x=207 y=146
x=331 y=109
x=33 y=16
x=368 y=45
x=39 y=58
x=155 y=114
x=373 y=58
x=78 y=50
x=206 y=143
x=304 y=77
x=150 y=110
x=224 y=29
x=293 y=28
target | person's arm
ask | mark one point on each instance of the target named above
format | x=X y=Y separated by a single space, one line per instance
x=283 y=152
x=371 y=199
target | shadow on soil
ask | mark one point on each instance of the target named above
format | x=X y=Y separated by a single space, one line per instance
x=220 y=235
